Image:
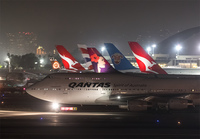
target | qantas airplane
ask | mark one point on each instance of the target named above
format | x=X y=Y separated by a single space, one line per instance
x=69 y=62
x=147 y=64
x=91 y=54
x=132 y=91
x=135 y=92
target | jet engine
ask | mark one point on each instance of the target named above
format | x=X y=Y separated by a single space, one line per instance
x=138 y=105
x=178 y=103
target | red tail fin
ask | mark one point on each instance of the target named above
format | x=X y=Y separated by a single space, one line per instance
x=68 y=60
x=145 y=62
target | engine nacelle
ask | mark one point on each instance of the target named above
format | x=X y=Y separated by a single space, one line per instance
x=178 y=103
x=138 y=105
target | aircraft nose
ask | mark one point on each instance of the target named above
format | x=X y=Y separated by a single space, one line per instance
x=30 y=91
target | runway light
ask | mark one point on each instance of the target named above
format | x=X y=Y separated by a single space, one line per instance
x=55 y=105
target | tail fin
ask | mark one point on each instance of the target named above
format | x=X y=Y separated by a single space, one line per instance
x=55 y=64
x=86 y=56
x=68 y=60
x=100 y=64
x=145 y=62
x=118 y=59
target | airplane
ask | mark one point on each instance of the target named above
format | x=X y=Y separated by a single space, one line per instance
x=135 y=92
x=69 y=62
x=119 y=60
x=97 y=67
x=86 y=56
x=99 y=63
x=144 y=60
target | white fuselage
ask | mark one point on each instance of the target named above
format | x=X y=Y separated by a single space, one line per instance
x=176 y=71
x=104 y=89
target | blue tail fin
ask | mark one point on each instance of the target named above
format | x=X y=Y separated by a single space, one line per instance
x=118 y=59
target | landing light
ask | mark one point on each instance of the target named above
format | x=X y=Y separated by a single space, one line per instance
x=55 y=105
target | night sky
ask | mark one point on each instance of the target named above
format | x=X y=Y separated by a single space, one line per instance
x=93 y=22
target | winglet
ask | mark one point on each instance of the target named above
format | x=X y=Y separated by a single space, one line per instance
x=145 y=62
x=100 y=64
x=118 y=59
x=69 y=62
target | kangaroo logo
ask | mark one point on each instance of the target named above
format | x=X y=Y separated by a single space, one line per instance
x=117 y=58
x=148 y=64
x=71 y=62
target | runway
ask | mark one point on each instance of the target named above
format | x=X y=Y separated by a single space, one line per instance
x=22 y=116
x=28 y=124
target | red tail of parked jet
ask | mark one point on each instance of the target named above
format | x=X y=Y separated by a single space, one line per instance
x=69 y=62
x=145 y=62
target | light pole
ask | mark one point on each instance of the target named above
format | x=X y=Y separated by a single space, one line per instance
x=8 y=60
x=153 y=48
x=148 y=50
x=178 y=48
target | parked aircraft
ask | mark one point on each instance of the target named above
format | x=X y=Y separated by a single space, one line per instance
x=69 y=62
x=147 y=64
x=86 y=56
x=136 y=92
x=99 y=63
x=119 y=60
x=132 y=91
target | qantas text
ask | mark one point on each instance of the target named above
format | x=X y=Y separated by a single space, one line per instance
x=88 y=84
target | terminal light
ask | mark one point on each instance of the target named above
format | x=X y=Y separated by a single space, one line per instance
x=118 y=97
x=41 y=61
x=178 y=47
x=148 y=49
x=102 y=48
x=154 y=45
